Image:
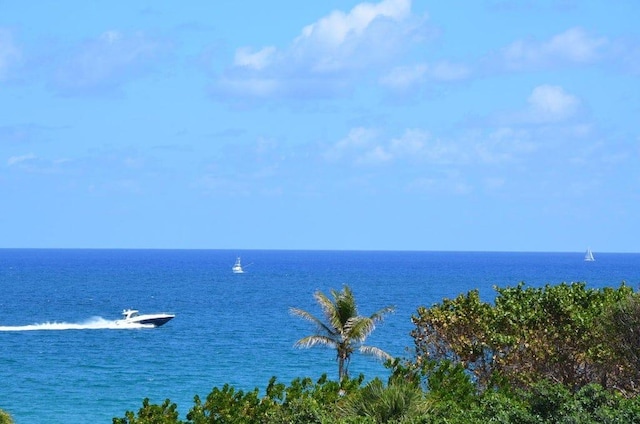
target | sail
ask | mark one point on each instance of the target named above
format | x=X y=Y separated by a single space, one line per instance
x=588 y=256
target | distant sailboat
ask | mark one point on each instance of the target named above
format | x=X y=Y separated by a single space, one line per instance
x=588 y=257
x=237 y=268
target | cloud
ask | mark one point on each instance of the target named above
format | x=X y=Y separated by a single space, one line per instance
x=16 y=160
x=324 y=59
x=417 y=144
x=33 y=164
x=503 y=145
x=574 y=46
x=448 y=71
x=107 y=62
x=10 y=54
x=551 y=103
x=340 y=41
x=571 y=48
x=358 y=140
x=549 y=120
x=494 y=145
x=335 y=29
x=364 y=146
x=246 y=57
x=546 y=104
x=404 y=78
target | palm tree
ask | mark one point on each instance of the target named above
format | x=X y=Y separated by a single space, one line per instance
x=344 y=330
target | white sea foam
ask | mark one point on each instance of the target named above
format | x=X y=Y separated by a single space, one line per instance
x=95 y=323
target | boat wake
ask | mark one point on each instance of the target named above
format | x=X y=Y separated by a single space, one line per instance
x=96 y=323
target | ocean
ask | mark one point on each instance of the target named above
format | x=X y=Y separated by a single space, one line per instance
x=62 y=359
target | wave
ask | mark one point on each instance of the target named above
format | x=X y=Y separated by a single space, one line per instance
x=96 y=323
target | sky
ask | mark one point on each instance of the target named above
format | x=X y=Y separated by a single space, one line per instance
x=485 y=125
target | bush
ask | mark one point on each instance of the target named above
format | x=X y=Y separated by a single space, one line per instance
x=5 y=418
x=152 y=414
x=559 y=333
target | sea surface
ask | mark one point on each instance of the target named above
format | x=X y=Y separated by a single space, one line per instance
x=62 y=359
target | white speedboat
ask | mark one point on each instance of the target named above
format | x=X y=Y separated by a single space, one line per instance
x=237 y=267
x=131 y=316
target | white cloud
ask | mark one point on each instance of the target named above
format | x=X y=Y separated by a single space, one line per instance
x=411 y=143
x=547 y=104
x=552 y=103
x=376 y=155
x=246 y=57
x=15 y=160
x=403 y=78
x=420 y=146
x=339 y=28
x=327 y=55
x=358 y=140
x=365 y=147
x=574 y=46
x=369 y=34
x=10 y=55
x=448 y=71
x=503 y=145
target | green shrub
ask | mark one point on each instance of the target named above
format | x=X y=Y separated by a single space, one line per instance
x=5 y=418
x=152 y=414
x=565 y=333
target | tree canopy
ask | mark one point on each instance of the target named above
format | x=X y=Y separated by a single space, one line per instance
x=565 y=333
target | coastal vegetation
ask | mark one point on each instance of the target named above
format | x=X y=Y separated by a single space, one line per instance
x=567 y=334
x=344 y=329
x=552 y=354
x=5 y=418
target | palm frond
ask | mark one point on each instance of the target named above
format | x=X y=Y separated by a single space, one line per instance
x=329 y=310
x=311 y=341
x=322 y=327
x=359 y=328
x=375 y=352
x=379 y=315
x=345 y=304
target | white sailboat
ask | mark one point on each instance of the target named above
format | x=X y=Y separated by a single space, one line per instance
x=588 y=256
x=237 y=267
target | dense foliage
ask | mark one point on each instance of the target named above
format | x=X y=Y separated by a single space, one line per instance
x=303 y=401
x=556 y=354
x=399 y=402
x=5 y=418
x=565 y=333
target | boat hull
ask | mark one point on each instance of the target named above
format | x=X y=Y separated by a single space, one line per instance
x=155 y=321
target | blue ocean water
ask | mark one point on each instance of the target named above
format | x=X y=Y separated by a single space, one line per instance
x=62 y=362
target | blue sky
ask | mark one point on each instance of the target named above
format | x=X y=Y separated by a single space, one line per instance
x=508 y=125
